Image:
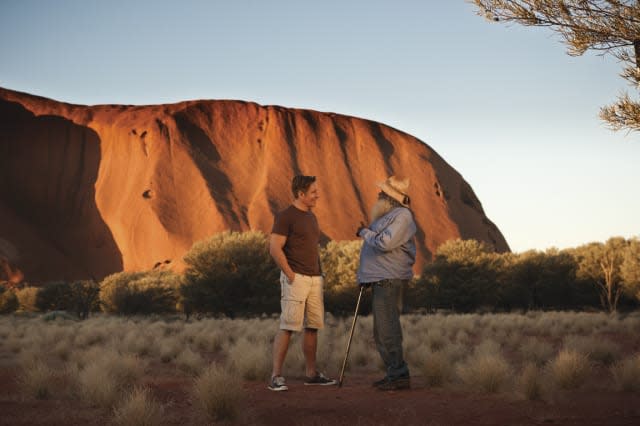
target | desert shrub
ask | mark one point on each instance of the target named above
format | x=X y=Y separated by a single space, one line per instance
x=340 y=261
x=570 y=369
x=541 y=279
x=54 y=296
x=27 y=298
x=131 y=293
x=219 y=394
x=463 y=276
x=626 y=374
x=231 y=273
x=85 y=297
x=8 y=301
x=139 y=408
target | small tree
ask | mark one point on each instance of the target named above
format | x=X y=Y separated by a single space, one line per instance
x=601 y=263
x=606 y=26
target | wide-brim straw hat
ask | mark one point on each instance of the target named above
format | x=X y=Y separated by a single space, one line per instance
x=396 y=189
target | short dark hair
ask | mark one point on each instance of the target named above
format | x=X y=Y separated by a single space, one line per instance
x=301 y=183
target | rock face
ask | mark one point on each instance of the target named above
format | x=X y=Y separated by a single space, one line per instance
x=86 y=191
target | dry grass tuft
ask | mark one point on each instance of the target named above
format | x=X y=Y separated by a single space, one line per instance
x=530 y=382
x=218 y=394
x=626 y=374
x=598 y=349
x=37 y=380
x=437 y=369
x=139 y=408
x=536 y=350
x=569 y=369
x=190 y=362
x=97 y=386
x=252 y=361
x=485 y=372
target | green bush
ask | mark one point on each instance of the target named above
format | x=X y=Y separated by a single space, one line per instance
x=231 y=273
x=133 y=293
x=8 y=301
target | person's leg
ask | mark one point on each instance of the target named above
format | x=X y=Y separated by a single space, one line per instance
x=387 y=329
x=292 y=295
x=309 y=348
x=280 y=347
x=314 y=320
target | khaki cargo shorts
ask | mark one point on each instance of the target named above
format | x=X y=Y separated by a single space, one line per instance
x=302 y=302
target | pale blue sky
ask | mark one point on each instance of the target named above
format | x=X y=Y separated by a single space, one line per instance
x=504 y=105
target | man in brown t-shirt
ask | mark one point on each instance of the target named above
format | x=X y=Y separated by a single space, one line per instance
x=294 y=247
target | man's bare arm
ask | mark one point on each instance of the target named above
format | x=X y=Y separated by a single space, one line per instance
x=276 y=245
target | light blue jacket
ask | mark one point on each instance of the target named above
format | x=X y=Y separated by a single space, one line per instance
x=389 y=248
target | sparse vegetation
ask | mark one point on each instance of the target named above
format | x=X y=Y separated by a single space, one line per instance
x=105 y=361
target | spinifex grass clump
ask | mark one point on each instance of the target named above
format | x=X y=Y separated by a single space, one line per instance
x=487 y=372
x=190 y=362
x=570 y=369
x=436 y=369
x=536 y=351
x=219 y=394
x=37 y=380
x=102 y=380
x=597 y=348
x=530 y=382
x=138 y=408
x=251 y=360
x=626 y=374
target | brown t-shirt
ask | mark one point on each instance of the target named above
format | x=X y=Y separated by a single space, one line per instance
x=303 y=236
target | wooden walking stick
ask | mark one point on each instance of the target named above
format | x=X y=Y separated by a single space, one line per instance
x=353 y=326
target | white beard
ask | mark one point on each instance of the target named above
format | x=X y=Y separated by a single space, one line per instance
x=380 y=208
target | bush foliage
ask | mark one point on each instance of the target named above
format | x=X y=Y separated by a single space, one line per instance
x=133 y=293
x=232 y=274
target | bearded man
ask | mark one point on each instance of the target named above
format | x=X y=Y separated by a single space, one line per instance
x=386 y=260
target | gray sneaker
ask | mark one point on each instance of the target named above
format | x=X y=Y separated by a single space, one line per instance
x=277 y=384
x=319 y=380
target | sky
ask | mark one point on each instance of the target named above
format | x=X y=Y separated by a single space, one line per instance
x=503 y=104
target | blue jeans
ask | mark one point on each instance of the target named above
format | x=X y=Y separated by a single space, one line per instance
x=387 y=332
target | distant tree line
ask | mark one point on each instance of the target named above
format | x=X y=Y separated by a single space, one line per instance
x=232 y=274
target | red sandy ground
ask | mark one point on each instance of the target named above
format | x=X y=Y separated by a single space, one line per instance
x=356 y=403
